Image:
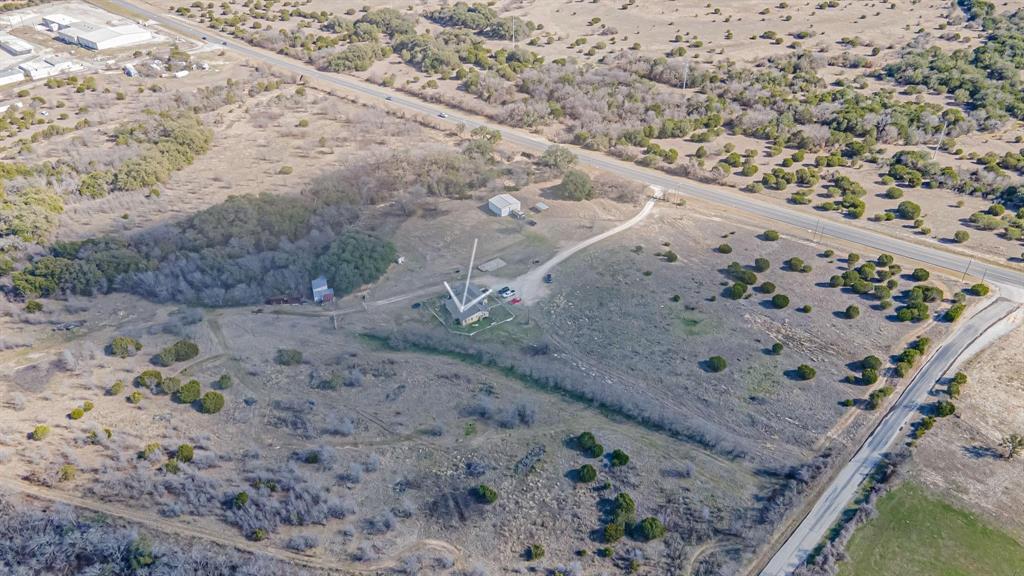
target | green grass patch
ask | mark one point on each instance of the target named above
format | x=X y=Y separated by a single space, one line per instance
x=918 y=534
x=692 y=324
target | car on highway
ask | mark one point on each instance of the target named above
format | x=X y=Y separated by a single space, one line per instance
x=204 y=37
x=442 y=115
x=388 y=98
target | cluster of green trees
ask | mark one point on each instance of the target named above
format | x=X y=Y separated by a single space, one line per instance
x=483 y=19
x=623 y=521
x=180 y=351
x=985 y=78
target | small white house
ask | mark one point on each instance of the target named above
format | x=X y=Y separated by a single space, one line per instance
x=503 y=204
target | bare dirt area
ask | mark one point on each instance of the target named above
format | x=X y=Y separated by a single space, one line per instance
x=961 y=457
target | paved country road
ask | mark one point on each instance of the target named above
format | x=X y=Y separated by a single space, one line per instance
x=934 y=256
x=841 y=492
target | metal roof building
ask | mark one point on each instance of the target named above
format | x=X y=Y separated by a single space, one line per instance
x=114 y=37
x=10 y=76
x=14 y=46
x=503 y=204
x=57 y=21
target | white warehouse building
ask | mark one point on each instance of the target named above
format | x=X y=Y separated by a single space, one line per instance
x=57 y=21
x=503 y=204
x=114 y=37
x=10 y=76
x=14 y=46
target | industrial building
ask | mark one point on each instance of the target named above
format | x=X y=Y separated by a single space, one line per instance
x=114 y=37
x=14 y=46
x=38 y=69
x=10 y=76
x=71 y=33
x=57 y=21
x=503 y=205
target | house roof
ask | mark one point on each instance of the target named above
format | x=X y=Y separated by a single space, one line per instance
x=474 y=292
x=502 y=201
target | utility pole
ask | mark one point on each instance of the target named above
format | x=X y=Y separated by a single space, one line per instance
x=686 y=72
x=966 y=269
x=941 y=136
x=513 y=32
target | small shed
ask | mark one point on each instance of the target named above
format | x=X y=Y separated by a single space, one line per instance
x=540 y=207
x=503 y=204
x=321 y=292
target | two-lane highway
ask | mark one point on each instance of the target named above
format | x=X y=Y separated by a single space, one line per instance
x=830 y=505
x=932 y=255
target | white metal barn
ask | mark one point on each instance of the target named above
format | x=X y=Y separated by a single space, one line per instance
x=114 y=37
x=57 y=21
x=14 y=46
x=503 y=204
x=10 y=76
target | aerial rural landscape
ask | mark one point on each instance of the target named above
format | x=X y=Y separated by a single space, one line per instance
x=653 y=287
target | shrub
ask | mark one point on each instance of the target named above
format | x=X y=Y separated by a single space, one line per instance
x=961 y=236
x=737 y=291
x=806 y=308
x=716 y=363
x=614 y=532
x=771 y=235
x=873 y=362
x=920 y=274
x=868 y=376
x=184 y=453
x=66 y=473
x=240 y=500
x=777 y=348
x=288 y=357
x=780 y=301
x=123 y=346
x=40 y=432
x=954 y=312
x=893 y=193
x=724 y=249
x=945 y=408
x=188 y=393
x=535 y=552
x=761 y=264
x=224 y=382
x=805 y=372
x=852 y=311
x=908 y=210
x=648 y=529
x=149 y=379
x=876 y=397
x=485 y=494
x=170 y=385
x=212 y=402
x=88 y=406
x=576 y=186
x=116 y=388
x=619 y=458
x=180 y=351
x=979 y=289
x=623 y=508
x=135 y=397
x=586 y=473
x=766 y=288
x=33 y=306
x=76 y=413
x=258 y=535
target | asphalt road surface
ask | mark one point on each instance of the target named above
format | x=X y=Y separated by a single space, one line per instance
x=920 y=252
x=840 y=493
